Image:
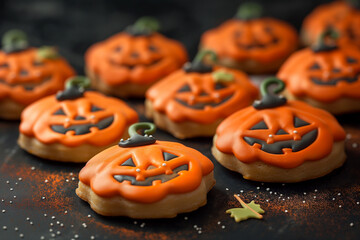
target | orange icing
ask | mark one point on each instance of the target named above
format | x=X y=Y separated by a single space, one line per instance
x=99 y=171
x=296 y=73
x=107 y=58
x=340 y=16
x=37 y=118
x=231 y=133
x=46 y=77
x=225 y=42
x=164 y=93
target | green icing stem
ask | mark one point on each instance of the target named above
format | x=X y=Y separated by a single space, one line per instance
x=249 y=10
x=78 y=81
x=202 y=54
x=150 y=128
x=146 y=24
x=222 y=76
x=269 y=81
x=328 y=33
x=14 y=39
x=47 y=52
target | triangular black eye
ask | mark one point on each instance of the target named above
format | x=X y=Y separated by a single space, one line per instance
x=59 y=112
x=4 y=65
x=351 y=60
x=219 y=86
x=80 y=118
x=281 y=132
x=168 y=156
x=315 y=66
x=299 y=122
x=260 y=125
x=185 y=88
x=95 y=108
x=129 y=163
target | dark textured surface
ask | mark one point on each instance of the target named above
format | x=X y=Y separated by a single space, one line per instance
x=37 y=196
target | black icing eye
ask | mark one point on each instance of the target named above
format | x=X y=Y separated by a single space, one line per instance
x=351 y=60
x=4 y=65
x=38 y=63
x=237 y=34
x=315 y=66
x=299 y=122
x=185 y=88
x=118 y=49
x=95 y=109
x=59 y=112
x=168 y=156
x=219 y=86
x=129 y=163
x=268 y=29
x=152 y=48
x=260 y=126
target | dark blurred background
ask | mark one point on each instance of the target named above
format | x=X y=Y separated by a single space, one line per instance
x=73 y=25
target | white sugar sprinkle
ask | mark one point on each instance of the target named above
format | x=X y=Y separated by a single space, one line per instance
x=42 y=198
x=286 y=210
x=16 y=229
x=348 y=136
x=3 y=211
x=7 y=181
x=354 y=145
x=339 y=194
x=333 y=199
x=76 y=236
x=4 y=227
x=223 y=226
x=53 y=217
x=258 y=188
x=351 y=224
x=45 y=215
x=89 y=216
x=185 y=218
x=20 y=179
x=226 y=189
x=142 y=225
x=27 y=219
x=340 y=206
x=32 y=168
x=315 y=190
x=92 y=237
x=21 y=235
x=267 y=189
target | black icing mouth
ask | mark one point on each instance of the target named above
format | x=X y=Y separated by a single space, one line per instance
x=201 y=106
x=149 y=181
x=258 y=44
x=277 y=147
x=334 y=81
x=28 y=86
x=132 y=66
x=81 y=129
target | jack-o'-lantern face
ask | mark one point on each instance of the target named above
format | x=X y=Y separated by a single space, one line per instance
x=146 y=173
x=324 y=75
x=140 y=58
x=200 y=96
x=284 y=134
x=25 y=78
x=92 y=118
x=339 y=15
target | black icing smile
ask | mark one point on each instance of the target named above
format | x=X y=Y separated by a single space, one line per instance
x=334 y=81
x=28 y=86
x=256 y=44
x=149 y=181
x=81 y=129
x=132 y=66
x=277 y=147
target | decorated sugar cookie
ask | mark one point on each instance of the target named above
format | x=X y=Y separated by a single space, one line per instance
x=28 y=74
x=128 y=63
x=192 y=102
x=146 y=178
x=280 y=140
x=74 y=124
x=326 y=75
x=343 y=16
x=250 y=42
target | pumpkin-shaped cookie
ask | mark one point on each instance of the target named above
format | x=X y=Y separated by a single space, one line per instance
x=250 y=42
x=279 y=140
x=128 y=63
x=191 y=102
x=28 y=74
x=325 y=76
x=146 y=178
x=343 y=16
x=75 y=124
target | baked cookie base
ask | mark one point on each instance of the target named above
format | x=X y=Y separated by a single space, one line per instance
x=124 y=90
x=180 y=130
x=60 y=152
x=168 y=207
x=262 y=172
x=340 y=106
x=10 y=110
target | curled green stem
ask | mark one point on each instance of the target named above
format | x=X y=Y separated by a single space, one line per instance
x=78 y=81
x=204 y=53
x=249 y=10
x=264 y=88
x=149 y=128
x=146 y=24
x=14 y=40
